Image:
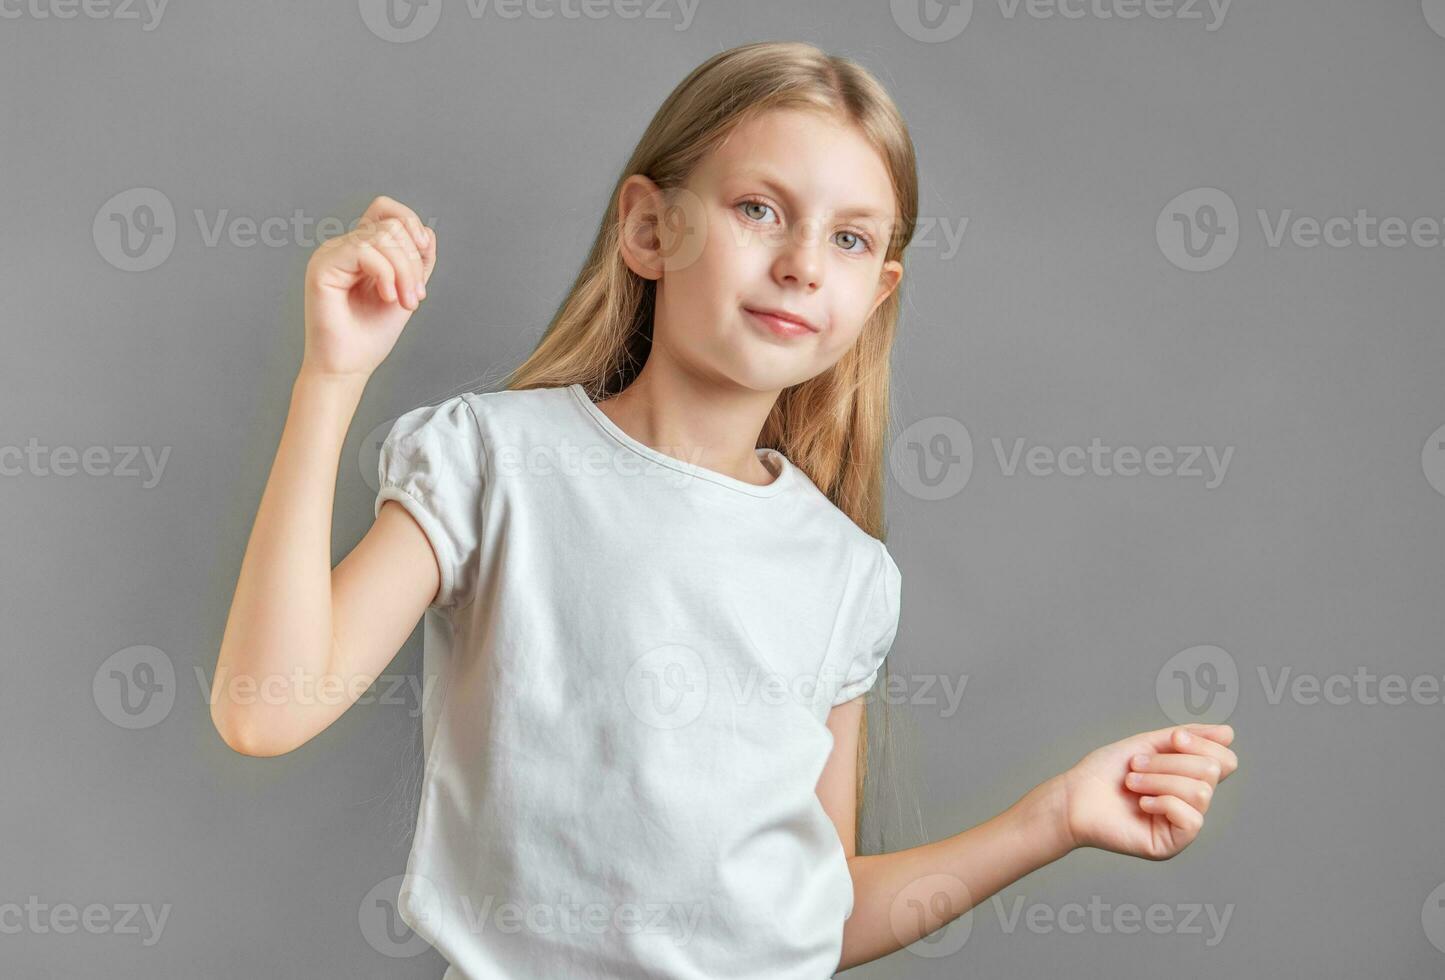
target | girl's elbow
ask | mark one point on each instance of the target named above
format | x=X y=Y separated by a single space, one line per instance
x=248 y=736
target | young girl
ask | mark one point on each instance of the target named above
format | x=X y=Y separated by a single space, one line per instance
x=652 y=568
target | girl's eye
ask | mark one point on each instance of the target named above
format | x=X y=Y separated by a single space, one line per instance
x=758 y=204
x=861 y=239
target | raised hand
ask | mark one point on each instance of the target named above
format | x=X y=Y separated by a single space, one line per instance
x=1147 y=795
x=362 y=288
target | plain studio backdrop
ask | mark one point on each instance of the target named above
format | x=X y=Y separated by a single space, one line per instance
x=1167 y=390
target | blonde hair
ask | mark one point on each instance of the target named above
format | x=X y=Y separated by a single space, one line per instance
x=833 y=426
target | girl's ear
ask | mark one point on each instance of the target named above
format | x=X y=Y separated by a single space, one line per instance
x=660 y=231
x=887 y=282
x=640 y=209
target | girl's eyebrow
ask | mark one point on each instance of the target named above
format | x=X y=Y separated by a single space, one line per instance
x=777 y=188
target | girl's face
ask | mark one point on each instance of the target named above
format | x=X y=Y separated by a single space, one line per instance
x=791 y=214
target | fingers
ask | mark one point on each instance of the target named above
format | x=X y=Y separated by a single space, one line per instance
x=1194 y=766
x=1195 y=739
x=1177 y=779
x=1177 y=812
x=428 y=258
x=386 y=207
x=389 y=250
x=1223 y=734
x=379 y=269
x=1208 y=748
x=1196 y=792
x=404 y=229
x=392 y=239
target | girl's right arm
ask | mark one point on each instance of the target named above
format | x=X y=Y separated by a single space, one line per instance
x=303 y=640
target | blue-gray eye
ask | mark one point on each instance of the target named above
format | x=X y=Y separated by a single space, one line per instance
x=863 y=240
x=756 y=203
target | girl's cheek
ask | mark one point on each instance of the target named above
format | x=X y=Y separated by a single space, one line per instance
x=731 y=245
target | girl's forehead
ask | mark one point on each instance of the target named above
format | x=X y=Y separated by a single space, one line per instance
x=791 y=134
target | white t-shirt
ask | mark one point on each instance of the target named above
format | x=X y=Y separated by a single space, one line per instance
x=635 y=659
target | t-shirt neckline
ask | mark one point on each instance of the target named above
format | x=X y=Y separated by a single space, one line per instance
x=780 y=462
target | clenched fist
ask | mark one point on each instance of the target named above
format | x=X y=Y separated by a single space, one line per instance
x=1146 y=795
x=362 y=288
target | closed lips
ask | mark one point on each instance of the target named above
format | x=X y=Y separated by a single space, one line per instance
x=791 y=318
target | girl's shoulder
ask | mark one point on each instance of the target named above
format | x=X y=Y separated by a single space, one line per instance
x=519 y=401
x=516 y=410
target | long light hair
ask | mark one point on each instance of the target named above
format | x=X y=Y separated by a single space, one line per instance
x=833 y=426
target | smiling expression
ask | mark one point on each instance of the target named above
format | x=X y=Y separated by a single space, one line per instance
x=790 y=215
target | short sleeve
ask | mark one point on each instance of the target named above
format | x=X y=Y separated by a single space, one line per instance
x=881 y=626
x=433 y=463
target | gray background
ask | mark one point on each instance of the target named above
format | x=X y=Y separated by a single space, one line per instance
x=1057 y=319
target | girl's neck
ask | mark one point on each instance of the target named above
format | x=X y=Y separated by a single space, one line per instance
x=705 y=425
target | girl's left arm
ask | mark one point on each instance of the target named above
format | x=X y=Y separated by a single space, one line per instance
x=1143 y=796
